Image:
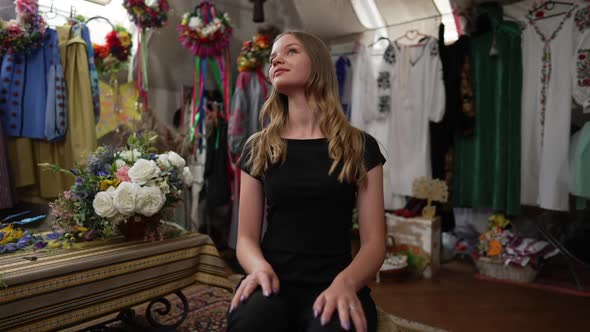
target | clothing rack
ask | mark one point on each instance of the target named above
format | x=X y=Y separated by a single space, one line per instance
x=426 y=18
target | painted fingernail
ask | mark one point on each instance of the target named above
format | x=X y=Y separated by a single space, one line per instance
x=275 y=290
x=323 y=322
x=346 y=326
x=315 y=313
x=242 y=298
x=231 y=308
x=266 y=293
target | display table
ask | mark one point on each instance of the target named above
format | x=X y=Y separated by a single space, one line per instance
x=70 y=286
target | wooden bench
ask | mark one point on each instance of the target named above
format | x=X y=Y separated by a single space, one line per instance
x=55 y=290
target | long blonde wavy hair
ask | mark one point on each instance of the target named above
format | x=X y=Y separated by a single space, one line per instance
x=345 y=143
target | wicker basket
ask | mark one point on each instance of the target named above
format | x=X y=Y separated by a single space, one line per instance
x=498 y=270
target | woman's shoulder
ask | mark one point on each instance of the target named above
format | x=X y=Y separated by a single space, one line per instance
x=372 y=151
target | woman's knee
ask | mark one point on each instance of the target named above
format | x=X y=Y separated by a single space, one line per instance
x=259 y=313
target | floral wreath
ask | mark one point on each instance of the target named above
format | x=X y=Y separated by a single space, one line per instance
x=110 y=57
x=24 y=34
x=205 y=31
x=149 y=13
x=254 y=53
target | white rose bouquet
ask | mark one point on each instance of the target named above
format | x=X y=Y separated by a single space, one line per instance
x=119 y=187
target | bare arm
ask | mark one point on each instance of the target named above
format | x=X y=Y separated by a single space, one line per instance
x=342 y=293
x=372 y=232
x=250 y=225
x=259 y=271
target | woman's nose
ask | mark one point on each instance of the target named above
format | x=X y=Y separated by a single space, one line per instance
x=277 y=60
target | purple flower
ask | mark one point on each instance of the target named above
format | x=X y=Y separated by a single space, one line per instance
x=23 y=242
x=74 y=171
x=11 y=247
x=102 y=173
x=79 y=179
x=153 y=156
x=2 y=248
x=40 y=245
x=53 y=236
x=1 y=236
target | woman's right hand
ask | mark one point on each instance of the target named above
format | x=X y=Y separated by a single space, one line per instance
x=266 y=278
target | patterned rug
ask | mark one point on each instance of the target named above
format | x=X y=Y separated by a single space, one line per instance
x=207 y=310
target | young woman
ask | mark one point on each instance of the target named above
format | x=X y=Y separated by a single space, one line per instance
x=308 y=168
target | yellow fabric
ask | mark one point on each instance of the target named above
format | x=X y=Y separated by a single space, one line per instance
x=111 y=119
x=80 y=138
x=20 y=158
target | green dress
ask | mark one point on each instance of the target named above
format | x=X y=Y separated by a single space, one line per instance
x=487 y=164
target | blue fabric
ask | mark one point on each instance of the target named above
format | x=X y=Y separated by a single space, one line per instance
x=35 y=95
x=55 y=113
x=93 y=73
x=30 y=103
x=12 y=82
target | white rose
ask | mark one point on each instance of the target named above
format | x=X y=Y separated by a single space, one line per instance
x=176 y=160
x=143 y=171
x=187 y=176
x=103 y=205
x=120 y=163
x=163 y=160
x=125 y=197
x=111 y=191
x=151 y=3
x=149 y=201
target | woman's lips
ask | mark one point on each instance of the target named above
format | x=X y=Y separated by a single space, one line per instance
x=279 y=72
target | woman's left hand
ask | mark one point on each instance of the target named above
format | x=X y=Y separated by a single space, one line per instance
x=340 y=296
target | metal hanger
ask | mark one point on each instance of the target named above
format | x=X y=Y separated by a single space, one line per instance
x=380 y=39
x=101 y=18
x=411 y=35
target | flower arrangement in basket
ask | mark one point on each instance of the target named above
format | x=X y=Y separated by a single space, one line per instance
x=205 y=31
x=147 y=13
x=24 y=34
x=114 y=54
x=502 y=255
x=254 y=53
x=126 y=189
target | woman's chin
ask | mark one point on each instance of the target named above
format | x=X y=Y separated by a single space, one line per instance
x=285 y=87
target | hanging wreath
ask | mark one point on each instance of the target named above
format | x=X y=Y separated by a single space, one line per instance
x=114 y=54
x=148 y=13
x=205 y=31
x=24 y=34
x=254 y=53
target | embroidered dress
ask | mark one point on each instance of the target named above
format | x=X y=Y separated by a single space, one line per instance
x=28 y=93
x=550 y=47
x=410 y=94
x=11 y=94
x=365 y=113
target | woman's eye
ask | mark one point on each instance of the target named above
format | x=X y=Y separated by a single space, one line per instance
x=292 y=51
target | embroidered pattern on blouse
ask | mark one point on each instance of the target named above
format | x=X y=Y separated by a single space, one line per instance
x=384 y=105
x=389 y=55
x=583 y=67
x=546 y=69
x=434 y=49
x=383 y=81
x=582 y=19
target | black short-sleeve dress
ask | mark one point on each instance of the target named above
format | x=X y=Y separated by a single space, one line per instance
x=309 y=212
